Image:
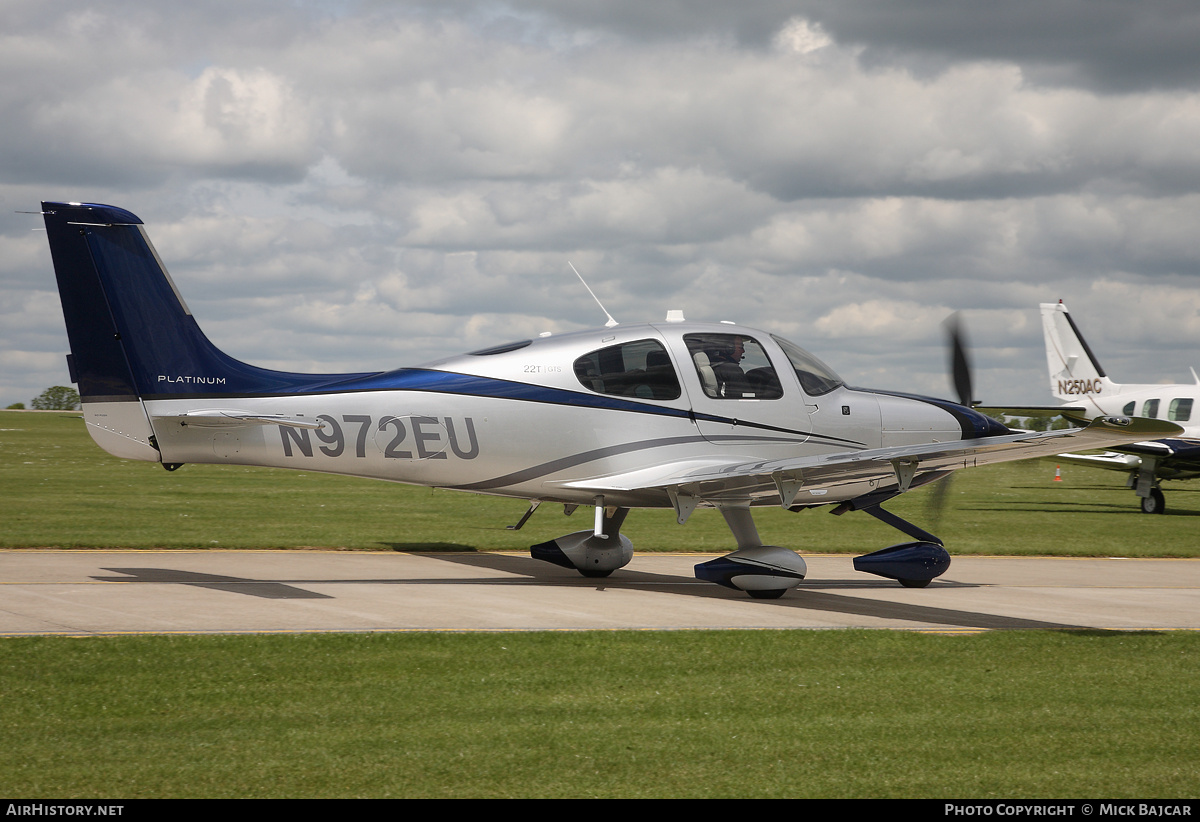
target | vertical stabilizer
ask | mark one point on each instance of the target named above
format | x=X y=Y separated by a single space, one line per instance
x=98 y=363
x=1075 y=372
x=132 y=337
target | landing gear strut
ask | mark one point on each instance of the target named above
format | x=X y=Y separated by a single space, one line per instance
x=1145 y=483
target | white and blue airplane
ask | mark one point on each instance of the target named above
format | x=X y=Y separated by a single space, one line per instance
x=1077 y=379
x=669 y=414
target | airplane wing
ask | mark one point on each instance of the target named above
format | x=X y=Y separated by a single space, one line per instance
x=1110 y=460
x=1174 y=458
x=709 y=480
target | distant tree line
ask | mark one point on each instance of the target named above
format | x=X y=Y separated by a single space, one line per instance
x=54 y=398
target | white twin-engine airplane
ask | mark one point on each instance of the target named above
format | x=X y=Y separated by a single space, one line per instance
x=659 y=415
x=1077 y=378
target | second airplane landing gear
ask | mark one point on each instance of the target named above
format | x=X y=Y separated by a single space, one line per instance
x=1154 y=503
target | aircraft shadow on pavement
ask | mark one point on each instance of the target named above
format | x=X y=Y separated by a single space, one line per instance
x=814 y=595
x=217 y=582
x=807 y=596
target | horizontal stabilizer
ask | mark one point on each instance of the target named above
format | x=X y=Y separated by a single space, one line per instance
x=235 y=419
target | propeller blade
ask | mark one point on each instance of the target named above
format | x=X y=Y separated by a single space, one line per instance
x=960 y=372
x=935 y=502
x=960 y=365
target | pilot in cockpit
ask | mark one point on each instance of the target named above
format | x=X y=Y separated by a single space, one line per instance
x=726 y=365
x=733 y=353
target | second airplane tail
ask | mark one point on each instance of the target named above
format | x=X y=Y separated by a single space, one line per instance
x=1075 y=373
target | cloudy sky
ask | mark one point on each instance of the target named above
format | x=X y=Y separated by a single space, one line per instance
x=365 y=185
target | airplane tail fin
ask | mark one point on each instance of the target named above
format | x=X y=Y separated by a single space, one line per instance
x=116 y=301
x=1074 y=369
x=131 y=334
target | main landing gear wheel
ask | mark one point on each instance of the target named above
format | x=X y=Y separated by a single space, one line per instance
x=1154 y=504
x=915 y=583
x=592 y=574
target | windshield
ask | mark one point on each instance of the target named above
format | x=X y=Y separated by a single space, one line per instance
x=816 y=378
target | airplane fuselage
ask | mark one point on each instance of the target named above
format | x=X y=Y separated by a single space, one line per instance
x=530 y=420
x=1178 y=403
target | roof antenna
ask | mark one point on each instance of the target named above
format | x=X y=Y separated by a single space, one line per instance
x=611 y=322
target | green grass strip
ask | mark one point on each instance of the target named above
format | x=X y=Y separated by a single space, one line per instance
x=602 y=714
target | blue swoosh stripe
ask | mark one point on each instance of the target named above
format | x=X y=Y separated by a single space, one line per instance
x=449 y=382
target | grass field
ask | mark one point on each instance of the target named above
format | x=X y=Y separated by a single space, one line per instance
x=605 y=714
x=602 y=714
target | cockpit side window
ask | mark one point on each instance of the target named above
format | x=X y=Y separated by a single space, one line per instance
x=816 y=378
x=733 y=367
x=1150 y=409
x=639 y=369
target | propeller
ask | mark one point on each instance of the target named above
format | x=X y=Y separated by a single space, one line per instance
x=960 y=365
x=960 y=374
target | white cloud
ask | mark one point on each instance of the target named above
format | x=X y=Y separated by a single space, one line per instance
x=801 y=36
x=392 y=183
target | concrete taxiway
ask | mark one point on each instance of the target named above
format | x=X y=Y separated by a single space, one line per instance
x=81 y=593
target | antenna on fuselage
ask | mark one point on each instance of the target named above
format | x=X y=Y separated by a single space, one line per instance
x=611 y=322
